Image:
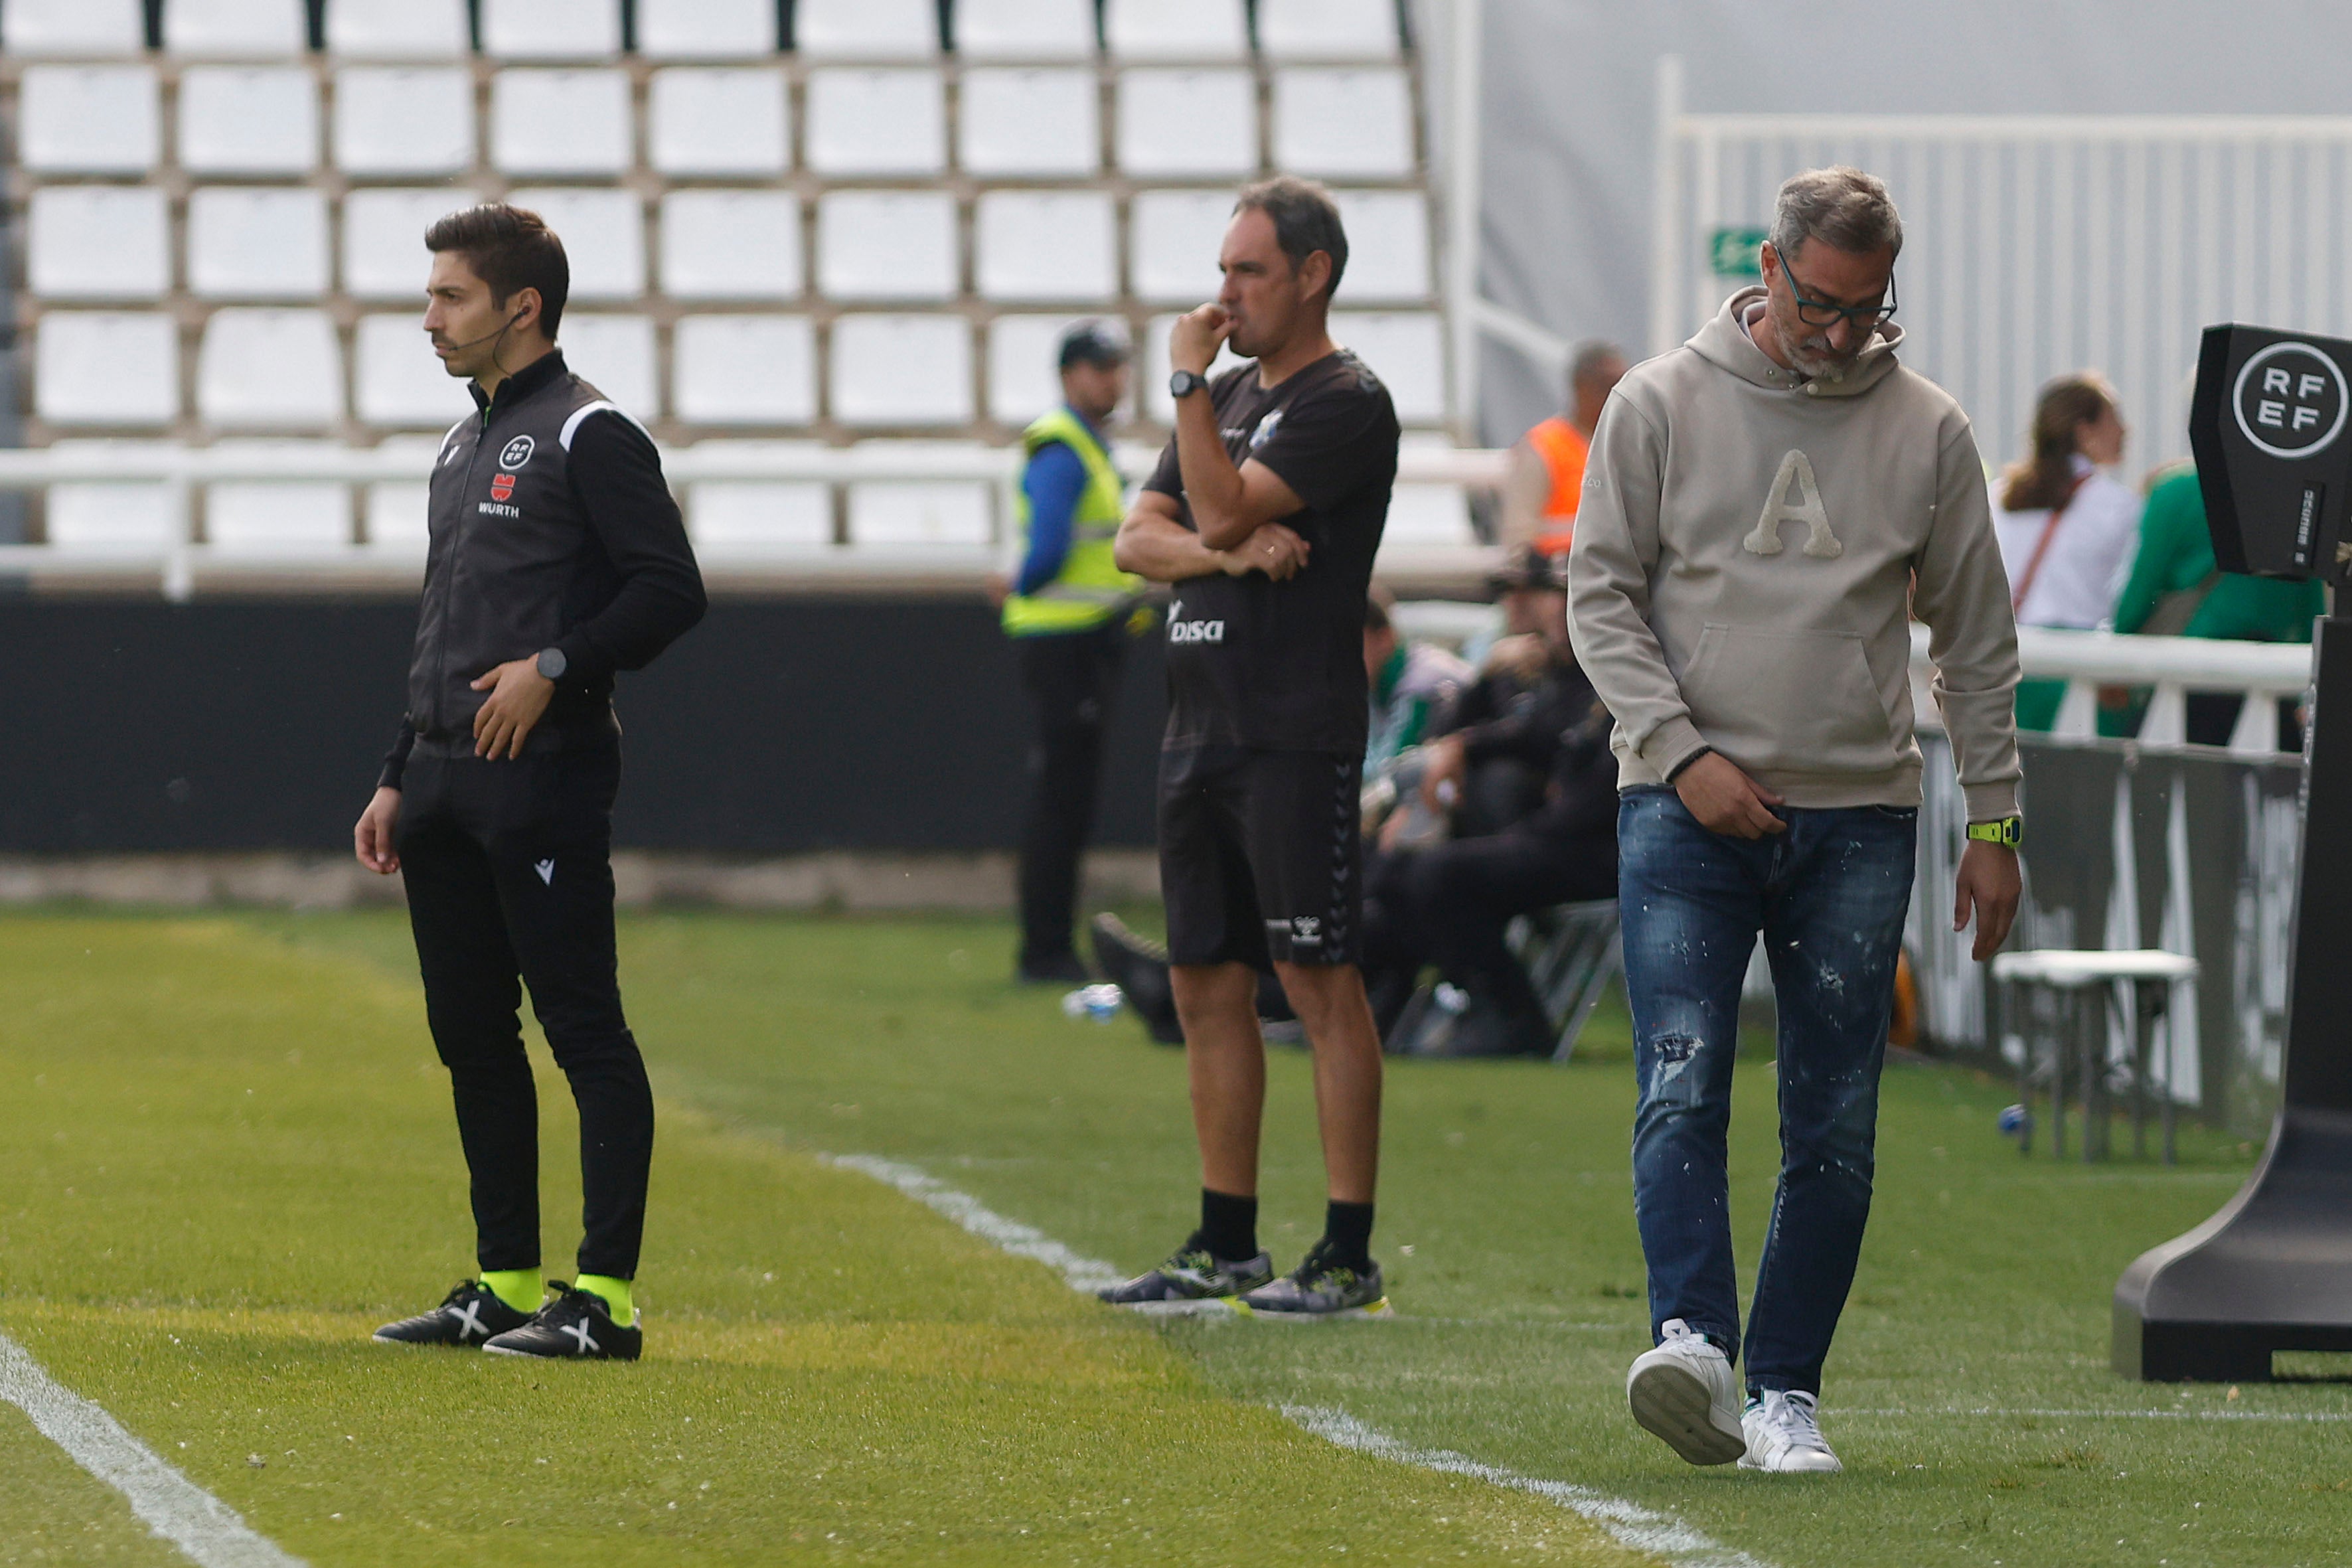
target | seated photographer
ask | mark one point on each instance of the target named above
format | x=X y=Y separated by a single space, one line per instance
x=1491 y=753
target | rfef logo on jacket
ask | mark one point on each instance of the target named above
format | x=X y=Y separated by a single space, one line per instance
x=517 y=452
x=502 y=486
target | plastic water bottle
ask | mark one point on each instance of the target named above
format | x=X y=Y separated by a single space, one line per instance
x=2016 y=1121
x=1100 y=1003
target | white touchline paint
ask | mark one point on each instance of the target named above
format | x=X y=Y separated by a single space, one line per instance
x=2003 y=1412
x=206 y=1530
x=1644 y=1530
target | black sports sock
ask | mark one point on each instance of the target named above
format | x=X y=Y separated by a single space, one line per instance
x=1228 y=1226
x=1348 y=1234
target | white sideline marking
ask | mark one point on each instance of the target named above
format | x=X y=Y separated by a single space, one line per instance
x=1644 y=1530
x=206 y=1530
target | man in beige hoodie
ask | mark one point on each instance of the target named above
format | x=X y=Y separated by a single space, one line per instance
x=1764 y=509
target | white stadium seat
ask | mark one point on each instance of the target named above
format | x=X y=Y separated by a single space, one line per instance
x=383 y=240
x=883 y=121
x=263 y=243
x=865 y=29
x=1388 y=246
x=922 y=511
x=1328 y=30
x=721 y=121
x=603 y=235
x=887 y=245
x=1157 y=405
x=1187 y=122
x=105 y=367
x=89 y=120
x=1045 y=245
x=396 y=518
x=617 y=354
x=1024 y=30
x=1406 y=351
x=1175 y=29
x=249 y=120
x=552 y=29
x=1428 y=514
x=743 y=370
x=561 y=122
x=235 y=29
x=399 y=381
x=731 y=245
x=901 y=370
x=399 y=29
x=752 y=512
x=1032 y=124
x=706 y=29
x=1356 y=123
x=254 y=517
x=393 y=120
x=99 y=242
x=1173 y=238
x=266 y=369
x=1024 y=379
x=83 y=29
x=126 y=516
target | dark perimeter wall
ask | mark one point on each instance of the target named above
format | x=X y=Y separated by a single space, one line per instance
x=778 y=726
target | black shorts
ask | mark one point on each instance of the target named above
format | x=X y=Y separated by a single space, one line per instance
x=1261 y=856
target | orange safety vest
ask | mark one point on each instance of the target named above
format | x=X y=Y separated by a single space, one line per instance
x=1563 y=447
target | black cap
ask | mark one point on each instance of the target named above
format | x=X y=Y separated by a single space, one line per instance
x=1528 y=567
x=1099 y=343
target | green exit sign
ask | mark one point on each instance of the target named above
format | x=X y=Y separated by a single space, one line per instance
x=1732 y=252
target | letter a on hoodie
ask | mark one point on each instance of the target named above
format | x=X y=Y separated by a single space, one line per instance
x=1802 y=505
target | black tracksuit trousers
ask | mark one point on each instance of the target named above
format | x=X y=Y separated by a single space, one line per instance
x=1072 y=676
x=510 y=876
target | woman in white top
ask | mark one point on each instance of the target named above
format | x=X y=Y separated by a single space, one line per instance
x=2066 y=526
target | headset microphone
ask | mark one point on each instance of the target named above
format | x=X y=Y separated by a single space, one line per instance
x=486 y=337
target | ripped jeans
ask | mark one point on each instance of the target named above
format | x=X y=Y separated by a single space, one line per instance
x=1829 y=897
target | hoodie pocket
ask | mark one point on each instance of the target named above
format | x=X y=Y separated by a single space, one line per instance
x=1789 y=702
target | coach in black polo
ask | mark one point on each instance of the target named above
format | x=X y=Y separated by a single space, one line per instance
x=1265 y=515
x=557 y=557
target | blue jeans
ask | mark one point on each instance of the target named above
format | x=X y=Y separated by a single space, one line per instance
x=1829 y=896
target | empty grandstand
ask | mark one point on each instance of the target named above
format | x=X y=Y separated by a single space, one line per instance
x=795 y=227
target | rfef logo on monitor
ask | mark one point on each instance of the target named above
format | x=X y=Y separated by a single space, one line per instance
x=2290 y=400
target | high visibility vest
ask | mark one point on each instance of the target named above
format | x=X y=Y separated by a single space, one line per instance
x=1563 y=447
x=1089 y=589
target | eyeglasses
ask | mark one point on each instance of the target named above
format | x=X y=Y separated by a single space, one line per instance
x=1818 y=313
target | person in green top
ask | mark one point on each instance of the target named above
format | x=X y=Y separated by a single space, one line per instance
x=2174 y=588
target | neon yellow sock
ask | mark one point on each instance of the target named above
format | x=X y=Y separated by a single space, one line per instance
x=617 y=1295
x=521 y=1289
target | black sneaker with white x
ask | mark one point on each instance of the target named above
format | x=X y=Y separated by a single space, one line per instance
x=468 y=1315
x=576 y=1326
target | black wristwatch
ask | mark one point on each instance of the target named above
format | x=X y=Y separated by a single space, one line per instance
x=1185 y=383
x=552 y=664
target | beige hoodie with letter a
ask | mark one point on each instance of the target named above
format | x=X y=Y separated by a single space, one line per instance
x=1744 y=570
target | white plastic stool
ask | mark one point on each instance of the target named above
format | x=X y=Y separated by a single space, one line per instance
x=2152 y=978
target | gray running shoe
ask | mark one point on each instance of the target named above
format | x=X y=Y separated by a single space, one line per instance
x=1194 y=1274
x=1320 y=1289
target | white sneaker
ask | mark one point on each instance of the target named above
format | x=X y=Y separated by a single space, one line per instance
x=1784 y=1436
x=1684 y=1392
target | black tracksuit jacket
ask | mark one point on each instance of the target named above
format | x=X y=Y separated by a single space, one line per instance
x=552 y=526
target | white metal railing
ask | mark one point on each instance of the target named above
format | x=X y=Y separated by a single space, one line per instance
x=2175 y=667
x=2035 y=245
x=182 y=470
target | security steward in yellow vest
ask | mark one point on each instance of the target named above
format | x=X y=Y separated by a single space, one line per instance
x=1068 y=616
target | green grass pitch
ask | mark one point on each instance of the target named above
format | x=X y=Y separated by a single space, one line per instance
x=230 y=1156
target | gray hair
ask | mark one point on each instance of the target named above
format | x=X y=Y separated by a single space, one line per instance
x=1585 y=359
x=1842 y=208
x=1305 y=220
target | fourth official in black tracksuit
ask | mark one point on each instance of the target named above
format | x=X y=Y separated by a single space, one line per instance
x=553 y=535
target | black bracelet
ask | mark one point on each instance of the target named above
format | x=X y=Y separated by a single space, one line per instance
x=1684 y=766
